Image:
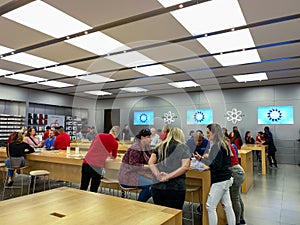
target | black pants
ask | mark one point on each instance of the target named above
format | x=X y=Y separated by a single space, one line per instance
x=168 y=198
x=90 y=172
x=271 y=156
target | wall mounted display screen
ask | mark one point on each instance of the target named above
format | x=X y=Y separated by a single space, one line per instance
x=199 y=116
x=143 y=118
x=275 y=115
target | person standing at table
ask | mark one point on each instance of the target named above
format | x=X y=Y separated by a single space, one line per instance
x=50 y=140
x=271 y=147
x=218 y=160
x=238 y=175
x=63 y=139
x=102 y=147
x=164 y=132
x=134 y=171
x=46 y=133
x=126 y=133
x=169 y=162
x=154 y=137
x=32 y=139
x=16 y=149
x=91 y=133
x=197 y=144
x=235 y=137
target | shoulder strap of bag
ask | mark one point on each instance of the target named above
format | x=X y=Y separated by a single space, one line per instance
x=32 y=140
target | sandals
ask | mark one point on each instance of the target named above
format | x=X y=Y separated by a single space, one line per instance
x=10 y=183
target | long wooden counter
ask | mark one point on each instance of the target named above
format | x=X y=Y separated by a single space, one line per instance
x=262 y=149
x=72 y=206
x=84 y=146
x=66 y=168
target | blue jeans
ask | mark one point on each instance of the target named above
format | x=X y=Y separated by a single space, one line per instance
x=220 y=192
x=10 y=173
x=144 y=184
x=235 y=192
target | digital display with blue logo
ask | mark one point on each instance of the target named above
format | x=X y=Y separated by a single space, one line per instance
x=275 y=115
x=143 y=118
x=199 y=116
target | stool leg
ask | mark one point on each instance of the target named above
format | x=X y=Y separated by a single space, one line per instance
x=44 y=182
x=34 y=183
x=49 y=182
x=21 y=174
x=29 y=184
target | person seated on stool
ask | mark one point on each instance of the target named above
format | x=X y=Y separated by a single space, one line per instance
x=50 y=140
x=16 y=149
x=134 y=171
x=62 y=141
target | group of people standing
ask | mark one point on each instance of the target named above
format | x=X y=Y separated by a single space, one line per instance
x=160 y=170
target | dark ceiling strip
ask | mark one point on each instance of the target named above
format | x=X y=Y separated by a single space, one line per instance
x=108 y=25
x=14 y=4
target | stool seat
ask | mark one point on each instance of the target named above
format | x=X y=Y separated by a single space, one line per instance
x=39 y=172
x=36 y=173
x=2 y=164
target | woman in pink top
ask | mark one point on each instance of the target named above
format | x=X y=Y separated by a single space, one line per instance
x=32 y=140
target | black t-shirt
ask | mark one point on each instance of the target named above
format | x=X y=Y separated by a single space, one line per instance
x=175 y=153
x=18 y=150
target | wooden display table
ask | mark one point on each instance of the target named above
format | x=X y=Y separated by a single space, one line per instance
x=247 y=163
x=67 y=168
x=84 y=146
x=262 y=149
x=71 y=206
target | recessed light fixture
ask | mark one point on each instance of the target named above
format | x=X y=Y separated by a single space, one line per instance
x=134 y=89
x=94 y=78
x=98 y=93
x=27 y=78
x=57 y=84
x=136 y=59
x=184 y=84
x=66 y=70
x=59 y=24
x=251 y=77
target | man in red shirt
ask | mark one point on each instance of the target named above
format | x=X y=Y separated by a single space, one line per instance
x=62 y=141
x=46 y=134
x=102 y=147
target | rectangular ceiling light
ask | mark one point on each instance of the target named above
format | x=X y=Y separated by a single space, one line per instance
x=168 y=3
x=45 y=18
x=134 y=89
x=98 y=93
x=98 y=43
x=94 y=78
x=56 y=84
x=66 y=70
x=184 y=84
x=251 y=77
x=29 y=60
x=27 y=78
x=134 y=59
x=4 y=72
x=238 y=58
x=221 y=15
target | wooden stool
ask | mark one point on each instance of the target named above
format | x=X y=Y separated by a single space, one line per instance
x=192 y=190
x=126 y=191
x=38 y=173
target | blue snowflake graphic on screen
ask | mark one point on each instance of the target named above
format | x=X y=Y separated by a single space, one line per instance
x=199 y=117
x=274 y=115
x=143 y=118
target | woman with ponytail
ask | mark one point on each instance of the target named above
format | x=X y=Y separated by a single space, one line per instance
x=218 y=160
